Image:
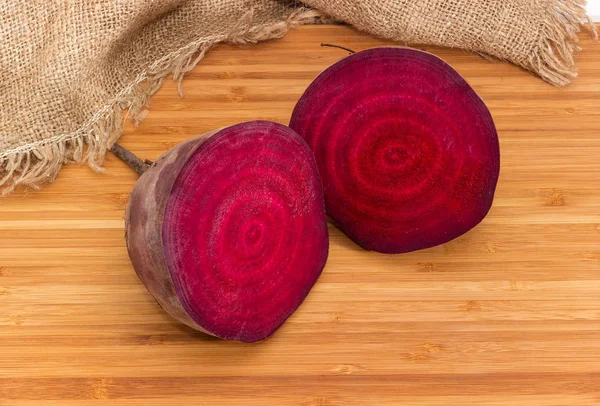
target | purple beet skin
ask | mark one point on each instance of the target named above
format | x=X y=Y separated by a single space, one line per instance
x=407 y=151
x=228 y=231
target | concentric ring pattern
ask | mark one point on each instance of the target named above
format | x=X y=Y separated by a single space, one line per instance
x=245 y=230
x=407 y=151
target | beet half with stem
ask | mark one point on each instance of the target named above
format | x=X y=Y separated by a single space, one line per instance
x=228 y=230
x=407 y=151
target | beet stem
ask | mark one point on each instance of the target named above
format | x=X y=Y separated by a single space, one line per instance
x=131 y=159
x=338 y=46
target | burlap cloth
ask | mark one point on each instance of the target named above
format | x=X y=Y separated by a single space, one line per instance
x=69 y=68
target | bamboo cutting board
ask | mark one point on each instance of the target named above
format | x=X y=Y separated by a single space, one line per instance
x=508 y=314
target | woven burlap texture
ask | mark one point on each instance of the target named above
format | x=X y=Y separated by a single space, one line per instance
x=68 y=69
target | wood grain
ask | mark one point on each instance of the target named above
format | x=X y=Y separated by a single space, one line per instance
x=508 y=314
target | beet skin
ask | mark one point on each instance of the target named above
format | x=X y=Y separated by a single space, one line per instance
x=228 y=231
x=407 y=151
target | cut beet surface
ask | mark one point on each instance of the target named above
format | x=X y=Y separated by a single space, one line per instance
x=228 y=231
x=407 y=151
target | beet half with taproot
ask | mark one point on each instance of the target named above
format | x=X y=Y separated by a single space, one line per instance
x=228 y=230
x=407 y=151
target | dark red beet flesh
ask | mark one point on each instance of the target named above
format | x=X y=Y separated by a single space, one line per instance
x=243 y=230
x=407 y=151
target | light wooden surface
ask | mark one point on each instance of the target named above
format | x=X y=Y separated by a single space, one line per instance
x=508 y=314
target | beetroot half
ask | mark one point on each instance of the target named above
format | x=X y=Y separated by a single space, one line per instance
x=407 y=151
x=228 y=230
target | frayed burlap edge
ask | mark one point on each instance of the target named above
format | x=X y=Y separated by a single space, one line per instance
x=553 y=58
x=35 y=164
x=38 y=163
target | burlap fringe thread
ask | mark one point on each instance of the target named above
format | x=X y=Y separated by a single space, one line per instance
x=36 y=164
x=553 y=60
